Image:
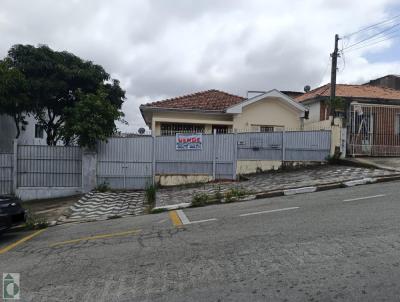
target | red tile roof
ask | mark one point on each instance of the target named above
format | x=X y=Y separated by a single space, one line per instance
x=214 y=100
x=355 y=91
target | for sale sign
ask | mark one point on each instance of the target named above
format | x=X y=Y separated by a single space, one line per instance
x=189 y=141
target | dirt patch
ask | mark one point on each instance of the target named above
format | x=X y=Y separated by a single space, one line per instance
x=51 y=209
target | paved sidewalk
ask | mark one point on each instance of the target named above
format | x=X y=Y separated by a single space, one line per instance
x=270 y=181
x=100 y=206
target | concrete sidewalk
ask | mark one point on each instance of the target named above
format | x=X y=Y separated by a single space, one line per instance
x=387 y=163
x=100 y=206
x=274 y=181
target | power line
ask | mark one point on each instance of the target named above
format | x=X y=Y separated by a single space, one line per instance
x=376 y=42
x=372 y=26
x=375 y=35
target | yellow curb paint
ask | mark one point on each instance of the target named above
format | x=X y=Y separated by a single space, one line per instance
x=175 y=218
x=15 y=244
x=103 y=236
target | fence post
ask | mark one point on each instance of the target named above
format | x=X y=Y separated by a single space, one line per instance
x=235 y=147
x=283 y=146
x=153 y=159
x=15 y=165
x=214 y=153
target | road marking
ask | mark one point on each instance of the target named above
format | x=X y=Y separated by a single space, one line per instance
x=102 y=236
x=366 y=197
x=15 y=244
x=205 y=220
x=270 y=211
x=183 y=217
x=175 y=218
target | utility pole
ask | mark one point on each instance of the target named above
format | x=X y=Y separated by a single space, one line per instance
x=334 y=56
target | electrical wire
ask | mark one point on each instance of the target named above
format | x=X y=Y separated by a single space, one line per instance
x=375 y=35
x=376 y=42
x=371 y=26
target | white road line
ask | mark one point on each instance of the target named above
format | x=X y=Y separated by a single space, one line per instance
x=183 y=217
x=366 y=197
x=270 y=211
x=205 y=220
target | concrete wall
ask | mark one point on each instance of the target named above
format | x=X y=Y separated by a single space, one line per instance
x=253 y=166
x=175 y=180
x=7 y=133
x=268 y=112
x=314 y=112
x=32 y=193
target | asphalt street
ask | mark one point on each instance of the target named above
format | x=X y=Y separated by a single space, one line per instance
x=338 y=245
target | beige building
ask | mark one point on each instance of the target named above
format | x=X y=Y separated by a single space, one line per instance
x=211 y=110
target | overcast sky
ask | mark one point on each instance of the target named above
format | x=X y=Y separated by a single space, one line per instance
x=167 y=48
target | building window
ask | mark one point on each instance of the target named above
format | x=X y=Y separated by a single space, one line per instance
x=266 y=128
x=172 y=128
x=38 y=131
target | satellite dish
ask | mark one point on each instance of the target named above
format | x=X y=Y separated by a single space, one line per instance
x=307 y=88
x=141 y=130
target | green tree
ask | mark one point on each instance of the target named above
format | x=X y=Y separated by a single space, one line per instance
x=59 y=81
x=13 y=95
x=91 y=119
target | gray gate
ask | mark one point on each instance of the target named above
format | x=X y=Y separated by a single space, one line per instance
x=125 y=163
x=6 y=173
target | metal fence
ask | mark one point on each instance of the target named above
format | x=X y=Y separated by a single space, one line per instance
x=130 y=163
x=49 y=166
x=6 y=173
x=125 y=162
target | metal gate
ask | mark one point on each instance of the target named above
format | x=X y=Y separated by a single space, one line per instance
x=6 y=171
x=125 y=163
x=373 y=130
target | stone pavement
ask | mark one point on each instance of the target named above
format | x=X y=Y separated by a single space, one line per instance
x=100 y=206
x=278 y=180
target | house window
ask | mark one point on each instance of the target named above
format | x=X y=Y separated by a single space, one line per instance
x=173 y=128
x=38 y=131
x=266 y=128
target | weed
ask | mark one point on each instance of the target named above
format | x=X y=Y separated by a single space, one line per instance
x=150 y=195
x=234 y=194
x=156 y=211
x=218 y=196
x=104 y=187
x=200 y=200
x=34 y=222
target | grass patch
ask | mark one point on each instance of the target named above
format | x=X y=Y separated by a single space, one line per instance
x=200 y=200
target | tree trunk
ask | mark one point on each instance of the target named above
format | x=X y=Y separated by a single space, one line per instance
x=16 y=122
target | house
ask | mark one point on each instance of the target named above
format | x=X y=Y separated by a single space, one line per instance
x=388 y=81
x=217 y=110
x=33 y=133
x=371 y=115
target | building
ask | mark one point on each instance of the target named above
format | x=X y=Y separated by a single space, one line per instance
x=33 y=133
x=371 y=115
x=388 y=81
x=216 y=110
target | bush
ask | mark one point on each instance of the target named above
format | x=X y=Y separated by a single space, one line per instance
x=235 y=194
x=34 y=222
x=200 y=199
x=150 y=195
x=104 y=187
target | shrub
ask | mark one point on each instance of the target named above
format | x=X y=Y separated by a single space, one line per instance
x=200 y=199
x=34 y=222
x=104 y=187
x=218 y=196
x=234 y=194
x=150 y=195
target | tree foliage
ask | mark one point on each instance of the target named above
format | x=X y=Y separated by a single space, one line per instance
x=59 y=84
x=13 y=95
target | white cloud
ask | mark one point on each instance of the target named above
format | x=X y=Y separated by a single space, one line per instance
x=163 y=48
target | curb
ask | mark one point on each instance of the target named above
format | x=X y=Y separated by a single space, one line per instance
x=301 y=190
